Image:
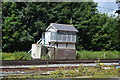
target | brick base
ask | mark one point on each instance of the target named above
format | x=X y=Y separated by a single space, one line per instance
x=56 y=53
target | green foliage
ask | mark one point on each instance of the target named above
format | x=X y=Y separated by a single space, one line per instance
x=5 y=55
x=23 y=24
x=16 y=56
x=9 y=59
x=98 y=54
x=21 y=56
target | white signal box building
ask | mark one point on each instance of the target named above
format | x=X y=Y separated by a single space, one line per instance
x=60 y=39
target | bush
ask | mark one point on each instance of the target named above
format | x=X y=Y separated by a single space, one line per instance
x=21 y=56
x=15 y=56
x=5 y=55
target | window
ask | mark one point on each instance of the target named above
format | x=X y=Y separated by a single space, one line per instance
x=73 y=37
x=59 y=37
x=69 y=37
x=64 y=37
x=53 y=35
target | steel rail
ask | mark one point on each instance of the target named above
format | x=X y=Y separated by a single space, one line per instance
x=42 y=62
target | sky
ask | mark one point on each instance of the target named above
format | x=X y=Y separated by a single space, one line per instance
x=107 y=6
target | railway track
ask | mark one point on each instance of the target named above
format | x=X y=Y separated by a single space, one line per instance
x=44 y=62
x=31 y=66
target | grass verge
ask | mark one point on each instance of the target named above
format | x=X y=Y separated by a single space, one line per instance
x=98 y=54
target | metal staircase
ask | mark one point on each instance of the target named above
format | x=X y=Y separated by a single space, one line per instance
x=40 y=42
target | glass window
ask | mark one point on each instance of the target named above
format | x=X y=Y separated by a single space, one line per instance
x=53 y=36
x=69 y=37
x=73 y=37
x=59 y=37
x=64 y=37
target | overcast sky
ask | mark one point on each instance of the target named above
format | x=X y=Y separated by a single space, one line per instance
x=107 y=6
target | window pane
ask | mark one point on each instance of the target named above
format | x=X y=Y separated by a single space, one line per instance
x=59 y=37
x=69 y=37
x=64 y=37
x=53 y=36
x=73 y=37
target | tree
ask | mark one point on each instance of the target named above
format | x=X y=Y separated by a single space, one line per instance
x=23 y=24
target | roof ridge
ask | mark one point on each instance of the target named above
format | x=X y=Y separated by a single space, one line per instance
x=64 y=27
x=62 y=24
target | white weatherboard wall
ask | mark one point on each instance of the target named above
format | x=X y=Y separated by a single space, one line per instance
x=36 y=51
x=47 y=38
x=61 y=45
x=71 y=46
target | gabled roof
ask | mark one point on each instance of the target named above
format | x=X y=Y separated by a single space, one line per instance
x=62 y=27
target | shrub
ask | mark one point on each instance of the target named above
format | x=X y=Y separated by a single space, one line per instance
x=5 y=55
x=21 y=56
x=15 y=56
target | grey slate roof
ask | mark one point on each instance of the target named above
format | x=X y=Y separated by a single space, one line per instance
x=64 y=27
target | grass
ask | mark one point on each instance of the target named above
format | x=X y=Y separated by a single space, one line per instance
x=15 y=56
x=80 y=55
x=98 y=54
